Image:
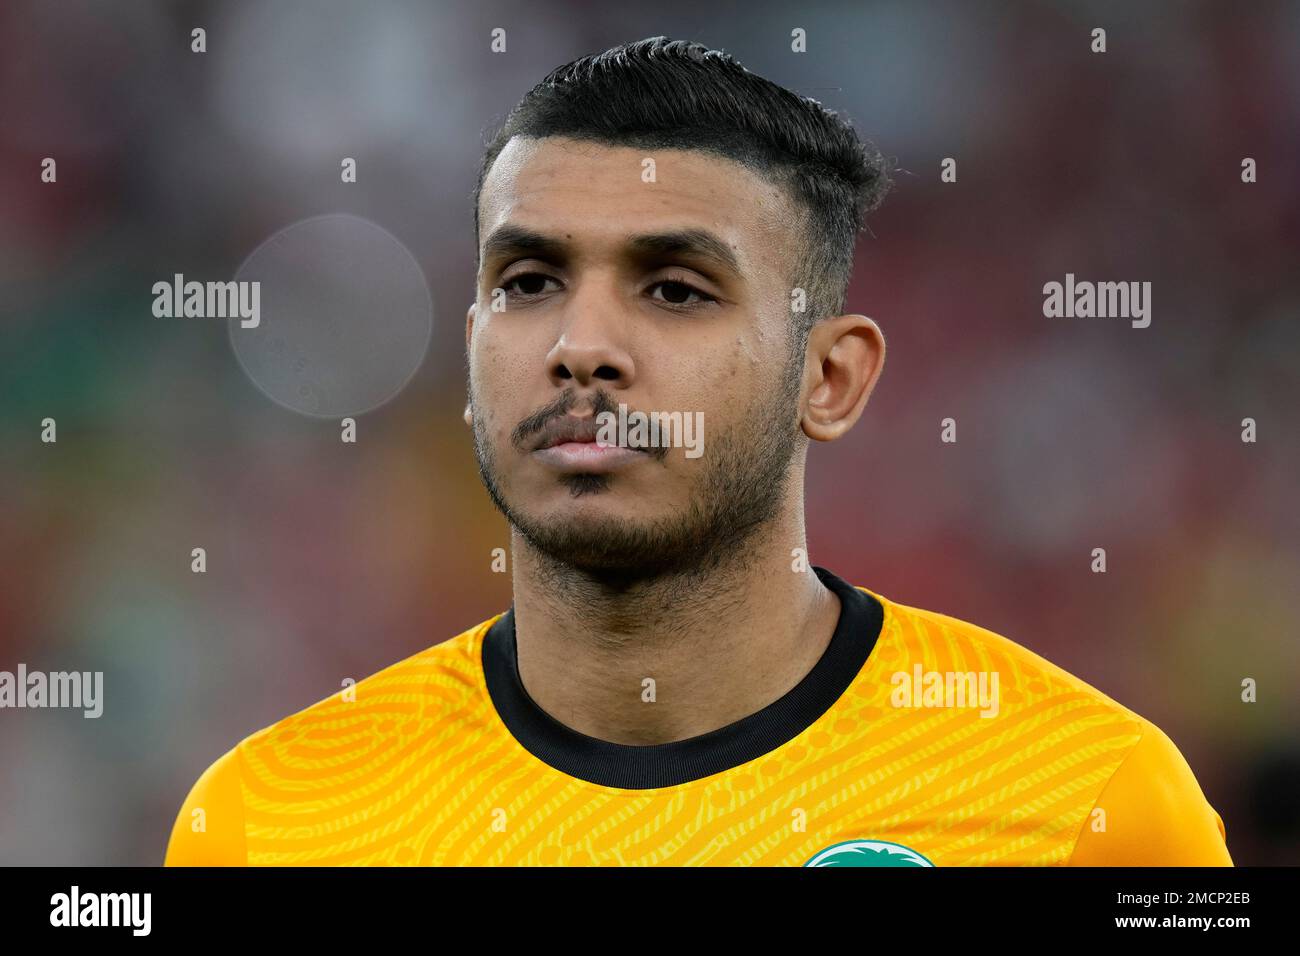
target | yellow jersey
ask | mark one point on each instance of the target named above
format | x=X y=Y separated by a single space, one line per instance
x=916 y=740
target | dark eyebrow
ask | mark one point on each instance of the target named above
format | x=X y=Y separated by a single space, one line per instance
x=689 y=242
x=519 y=241
x=511 y=240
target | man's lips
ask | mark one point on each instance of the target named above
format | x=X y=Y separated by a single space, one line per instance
x=564 y=429
x=587 y=456
x=569 y=445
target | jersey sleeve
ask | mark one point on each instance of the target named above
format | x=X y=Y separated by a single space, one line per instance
x=209 y=829
x=1155 y=813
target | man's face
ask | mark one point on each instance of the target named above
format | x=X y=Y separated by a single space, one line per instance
x=602 y=309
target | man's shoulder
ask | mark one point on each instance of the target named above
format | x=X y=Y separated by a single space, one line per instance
x=1143 y=803
x=375 y=722
x=427 y=683
x=1024 y=677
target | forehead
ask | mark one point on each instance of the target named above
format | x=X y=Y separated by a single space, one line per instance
x=584 y=191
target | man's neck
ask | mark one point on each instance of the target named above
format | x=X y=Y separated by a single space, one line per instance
x=676 y=657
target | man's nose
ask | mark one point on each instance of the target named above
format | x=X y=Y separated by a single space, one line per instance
x=592 y=346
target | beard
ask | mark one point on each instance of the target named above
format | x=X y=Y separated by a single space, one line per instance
x=737 y=491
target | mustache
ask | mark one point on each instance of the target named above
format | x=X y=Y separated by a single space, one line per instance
x=601 y=402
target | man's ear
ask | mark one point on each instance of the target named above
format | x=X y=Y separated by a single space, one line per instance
x=844 y=359
x=469 y=334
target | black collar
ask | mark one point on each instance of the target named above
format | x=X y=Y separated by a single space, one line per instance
x=666 y=765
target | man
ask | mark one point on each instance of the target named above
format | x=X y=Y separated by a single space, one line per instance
x=662 y=233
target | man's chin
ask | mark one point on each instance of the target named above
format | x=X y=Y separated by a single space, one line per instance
x=601 y=542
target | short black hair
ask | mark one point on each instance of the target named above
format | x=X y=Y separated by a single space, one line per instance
x=673 y=94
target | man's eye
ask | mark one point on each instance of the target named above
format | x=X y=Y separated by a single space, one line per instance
x=679 y=293
x=528 y=283
x=670 y=292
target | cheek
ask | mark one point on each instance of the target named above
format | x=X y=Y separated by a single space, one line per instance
x=752 y=355
x=755 y=386
x=512 y=357
x=496 y=377
x=504 y=374
x=719 y=380
x=744 y=372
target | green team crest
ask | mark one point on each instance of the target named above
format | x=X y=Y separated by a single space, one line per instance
x=868 y=853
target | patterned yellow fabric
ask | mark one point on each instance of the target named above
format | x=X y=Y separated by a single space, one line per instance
x=420 y=770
